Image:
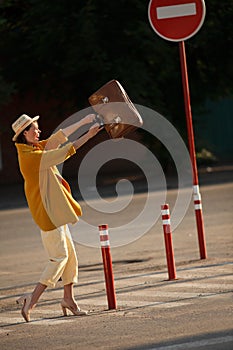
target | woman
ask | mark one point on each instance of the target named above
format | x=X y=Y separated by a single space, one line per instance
x=51 y=203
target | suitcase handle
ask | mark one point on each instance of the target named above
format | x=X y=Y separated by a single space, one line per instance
x=98 y=119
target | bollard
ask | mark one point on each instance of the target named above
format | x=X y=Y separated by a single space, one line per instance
x=107 y=261
x=168 y=242
x=199 y=221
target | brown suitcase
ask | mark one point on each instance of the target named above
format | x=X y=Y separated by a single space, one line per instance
x=115 y=109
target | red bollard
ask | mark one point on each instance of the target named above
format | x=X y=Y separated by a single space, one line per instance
x=107 y=261
x=199 y=221
x=168 y=242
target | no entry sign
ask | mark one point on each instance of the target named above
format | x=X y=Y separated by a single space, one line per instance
x=176 y=20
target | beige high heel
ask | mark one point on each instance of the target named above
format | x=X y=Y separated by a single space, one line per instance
x=75 y=311
x=26 y=301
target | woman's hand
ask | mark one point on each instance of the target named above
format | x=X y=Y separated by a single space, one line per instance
x=90 y=118
x=94 y=129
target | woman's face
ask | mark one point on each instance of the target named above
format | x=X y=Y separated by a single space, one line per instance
x=33 y=134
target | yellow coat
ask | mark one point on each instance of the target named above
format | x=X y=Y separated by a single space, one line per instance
x=48 y=194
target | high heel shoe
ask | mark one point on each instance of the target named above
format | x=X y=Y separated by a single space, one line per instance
x=26 y=301
x=75 y=311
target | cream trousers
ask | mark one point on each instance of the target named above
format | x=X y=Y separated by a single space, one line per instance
x=63 y=261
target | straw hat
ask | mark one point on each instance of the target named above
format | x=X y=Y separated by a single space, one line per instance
x=21 y=123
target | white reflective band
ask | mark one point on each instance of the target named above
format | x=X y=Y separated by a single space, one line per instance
x=166 y=222
x=176 y=11
x=197 y=196
x=103 y=232
x=196 y=189
x=105 y=243
x=197 y=206
x=165 y=212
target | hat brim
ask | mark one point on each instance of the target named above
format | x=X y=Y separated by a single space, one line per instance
x=25 y=126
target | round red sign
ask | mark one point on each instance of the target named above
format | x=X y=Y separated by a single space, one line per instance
x=176 y=20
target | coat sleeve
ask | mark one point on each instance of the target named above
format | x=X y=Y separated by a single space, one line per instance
x=55 y=156
x=38 y=159
x=52 y=154
x=54 y=141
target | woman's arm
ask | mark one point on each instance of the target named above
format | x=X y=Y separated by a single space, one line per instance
x=54 y=141
x=43 y=159
x=83 y=139
x=72 y=128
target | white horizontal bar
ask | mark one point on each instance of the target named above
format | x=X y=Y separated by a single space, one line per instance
x=197 y=197
x=196 y=189
x=105 y=243
x=176 y=11
x=197 y=206
x=166 y=222
x=165 y=212
x=103 y=232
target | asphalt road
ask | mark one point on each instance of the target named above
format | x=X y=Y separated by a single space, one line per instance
x=193 y=312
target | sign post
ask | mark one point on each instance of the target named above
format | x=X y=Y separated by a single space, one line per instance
x=179 y=20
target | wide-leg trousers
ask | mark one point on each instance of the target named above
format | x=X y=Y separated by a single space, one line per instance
x=63 y=262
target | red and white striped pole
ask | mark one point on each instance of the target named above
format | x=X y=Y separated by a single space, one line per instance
x=196 y=191
x=199 y=221
x=168 y=241
x=107 y=261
